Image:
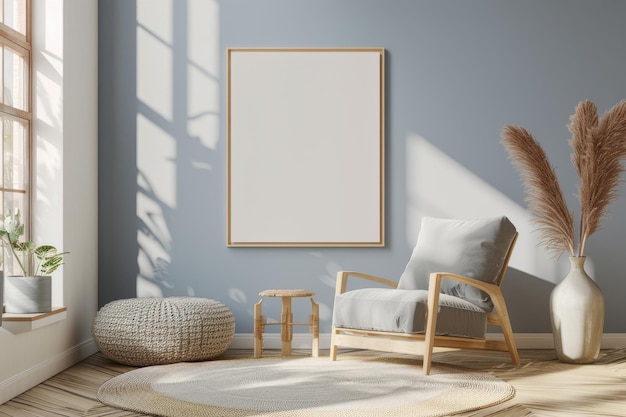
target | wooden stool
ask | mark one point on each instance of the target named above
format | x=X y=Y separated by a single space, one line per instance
x=286 y=321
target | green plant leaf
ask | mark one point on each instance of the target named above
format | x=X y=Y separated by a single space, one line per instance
x=45 y=251
x=24 y=246
x=49 y=258
x=51 y=264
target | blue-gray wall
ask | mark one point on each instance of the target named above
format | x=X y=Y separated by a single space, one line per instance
x=456 y=73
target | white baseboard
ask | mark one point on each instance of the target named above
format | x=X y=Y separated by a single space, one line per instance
x=17 y=384
x=273 y=341
x=523 y=340
x=613 y=340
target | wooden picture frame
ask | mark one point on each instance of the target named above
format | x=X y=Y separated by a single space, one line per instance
x=305 y=147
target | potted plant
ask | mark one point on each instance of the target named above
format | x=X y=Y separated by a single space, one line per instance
x=599 y=147
x=28 y=292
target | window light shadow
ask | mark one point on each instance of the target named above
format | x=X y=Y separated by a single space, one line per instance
x=177 y=127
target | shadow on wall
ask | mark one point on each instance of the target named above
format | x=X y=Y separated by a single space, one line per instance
x=159 y=124
x=177 y=131
x=528 y=302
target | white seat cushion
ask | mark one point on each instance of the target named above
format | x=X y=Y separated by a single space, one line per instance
x=405 y=311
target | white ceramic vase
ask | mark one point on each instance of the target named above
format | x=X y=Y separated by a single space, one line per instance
x=28 y=294
x=577 y=315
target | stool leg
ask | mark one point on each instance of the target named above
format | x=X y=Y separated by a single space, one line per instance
x=286 y=328
x=259 y=324
x=314 y=328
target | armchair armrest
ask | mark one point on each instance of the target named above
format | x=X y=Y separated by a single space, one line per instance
x=494 y=292
x=436 y=277
x=499 y=318
x=342 y=280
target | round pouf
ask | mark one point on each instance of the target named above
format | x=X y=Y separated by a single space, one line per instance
x=157 y=331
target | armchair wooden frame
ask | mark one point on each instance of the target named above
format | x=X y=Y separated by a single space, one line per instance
x=413 y=343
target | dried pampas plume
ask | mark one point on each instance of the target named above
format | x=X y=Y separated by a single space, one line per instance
x=599 y=147
x=545 y=198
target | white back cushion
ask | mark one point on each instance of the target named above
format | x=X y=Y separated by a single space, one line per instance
x=475 y=248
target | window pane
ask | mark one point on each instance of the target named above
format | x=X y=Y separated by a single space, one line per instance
x=14 y=15
x=14 y=79
x=14 y=177
x=15 y=160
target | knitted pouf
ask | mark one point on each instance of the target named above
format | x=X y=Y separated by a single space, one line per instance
x=157 y=331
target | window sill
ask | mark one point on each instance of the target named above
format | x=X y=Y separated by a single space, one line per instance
x=21 y=323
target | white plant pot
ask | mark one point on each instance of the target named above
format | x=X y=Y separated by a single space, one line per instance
x=577 y=315
x=28 y=294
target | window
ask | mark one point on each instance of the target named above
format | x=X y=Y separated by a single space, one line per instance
x=15 y=113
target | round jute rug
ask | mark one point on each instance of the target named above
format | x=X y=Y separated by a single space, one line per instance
x=303 y=387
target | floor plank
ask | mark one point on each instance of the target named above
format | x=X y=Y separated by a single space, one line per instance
x=544 y=386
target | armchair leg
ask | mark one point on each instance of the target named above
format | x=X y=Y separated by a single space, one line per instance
x=512 y=350
x=431 y=320
x=428 y=357
x=333 y=346
x=507 y=330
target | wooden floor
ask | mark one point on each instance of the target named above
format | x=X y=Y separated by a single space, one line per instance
x=544 y=386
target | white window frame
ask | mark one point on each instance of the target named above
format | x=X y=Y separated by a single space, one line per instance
x=21 y=45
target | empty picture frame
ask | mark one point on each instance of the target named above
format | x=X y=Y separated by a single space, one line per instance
x=305 y=147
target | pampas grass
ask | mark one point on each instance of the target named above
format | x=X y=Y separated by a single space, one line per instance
x=598 y=149
x=545 y=198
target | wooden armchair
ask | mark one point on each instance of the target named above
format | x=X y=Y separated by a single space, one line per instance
x=452 y=310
